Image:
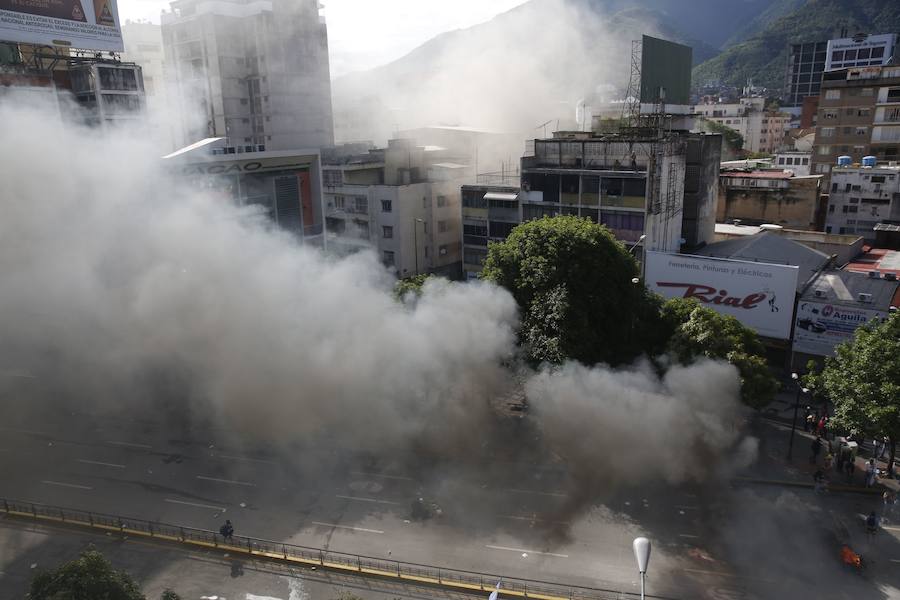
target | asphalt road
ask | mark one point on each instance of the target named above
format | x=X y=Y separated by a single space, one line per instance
x=507 y=519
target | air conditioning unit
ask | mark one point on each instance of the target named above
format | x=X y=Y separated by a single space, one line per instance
x=890 y=276
x=874 y=275
x=864 y=298
x=820 y=293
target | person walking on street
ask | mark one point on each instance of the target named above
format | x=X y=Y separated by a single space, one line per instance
x=819 y=480
x=871 y=473
x=889 y=499
x=883 y=447
x=816 y=450
x=849 y=469
x=808 y=421
x=871 y=524
x=227 y=531
x=829 y=459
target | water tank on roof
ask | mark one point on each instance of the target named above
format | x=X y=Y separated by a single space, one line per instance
x=869 y=161
x=844 y=161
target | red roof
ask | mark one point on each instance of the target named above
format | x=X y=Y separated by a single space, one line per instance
x=758 y=174
x=878 y=259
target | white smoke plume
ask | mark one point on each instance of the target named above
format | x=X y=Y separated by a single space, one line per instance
x=127 y=291
x=625 y=427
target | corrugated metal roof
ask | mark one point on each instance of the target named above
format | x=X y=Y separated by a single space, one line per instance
x=759 y=174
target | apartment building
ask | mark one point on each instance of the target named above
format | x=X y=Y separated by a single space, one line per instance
x=794 y=161
x=776 y=197
x=403 y=201
x=859 y=115
x=255 y=72
x=762 y=130
x=633 y=182
x=861 y=198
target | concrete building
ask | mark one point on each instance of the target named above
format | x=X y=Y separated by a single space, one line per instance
x=794 y=161
x=402 y=201
x=632 y=181
x=861 y=198
x=803 y=77
x=762 y=130
x=862 y=50
x=834 y=305
x=285 y=184
x=253 y=71
x=770 y=197
x=859 y=115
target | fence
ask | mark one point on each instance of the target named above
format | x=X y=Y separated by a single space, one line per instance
x=314 y=557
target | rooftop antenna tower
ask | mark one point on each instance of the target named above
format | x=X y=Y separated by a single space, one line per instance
x=631 y=110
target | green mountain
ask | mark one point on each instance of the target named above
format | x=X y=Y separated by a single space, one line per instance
x=763 y=56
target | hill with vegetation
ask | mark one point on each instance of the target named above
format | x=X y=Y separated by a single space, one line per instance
x=763 y=56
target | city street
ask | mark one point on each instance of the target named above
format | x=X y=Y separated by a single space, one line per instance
x=708 y=541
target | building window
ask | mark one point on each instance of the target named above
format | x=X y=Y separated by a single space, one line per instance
x=854 y=209
x=805 y=161
x=862 y=130
x=361 y=204
x=388 y=258
x=387 y=206
x=339 y=202
x=832 y=94
x=829 y=114
x=831 y=208
x=443 y=227
x=824 y=150
x=441 y=201
x=387 y=232
x=827 y=132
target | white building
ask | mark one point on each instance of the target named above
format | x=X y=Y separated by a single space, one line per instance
x=860 y=51
x=762 y=130
x=797 y=162
x=144 y=47
x=253 y=71
x=862 y=197
x=402 y=201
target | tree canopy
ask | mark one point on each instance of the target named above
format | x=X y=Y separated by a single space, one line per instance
x=573 y=283
x=694 y=331
x=862 y=380
x=88 y=577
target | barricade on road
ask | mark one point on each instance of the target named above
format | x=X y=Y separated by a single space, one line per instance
x=314 y=557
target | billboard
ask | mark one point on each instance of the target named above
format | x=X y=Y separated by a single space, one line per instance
x=80 y=24
x=822 y=326
x=665 y=65
x=759 y=295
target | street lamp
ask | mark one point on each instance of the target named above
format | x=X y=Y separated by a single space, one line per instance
x=800 y=389
x=416 y=240
x=637 y=243
x=642 y=555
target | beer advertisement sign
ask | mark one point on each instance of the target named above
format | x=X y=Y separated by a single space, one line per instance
x=76 y=24
x=759 y=295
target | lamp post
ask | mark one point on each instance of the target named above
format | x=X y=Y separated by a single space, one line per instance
x=637 y=243
x=800 y=389
x=641 y=547
x=416 y=240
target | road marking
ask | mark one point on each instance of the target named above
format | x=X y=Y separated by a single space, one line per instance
x=365 y=499
x=890 y=527
x=97 y=462
x=230 y=481
x=218 y=508
x=25 y=431
x=131 y=445
x=523 y=551
x=381 y=475
x=257 y=460
x=554 y=494
x=533 y=519
x=687 y=535
x=896 y=560
x=363 y=529
x=68 y=485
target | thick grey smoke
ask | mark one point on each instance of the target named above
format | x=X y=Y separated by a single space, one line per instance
x=631 y=426
x=128 y=291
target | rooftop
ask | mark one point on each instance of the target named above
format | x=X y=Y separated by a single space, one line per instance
x=768 y=247
x=844 y=287
x=876 y=259
x=758 y=174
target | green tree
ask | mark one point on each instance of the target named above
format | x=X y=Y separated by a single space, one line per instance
x=695 y=331
x=411 y=285
x=88 y=577
x=169 y=595
x=733 y=139
x=573 y=283
x=862 y=380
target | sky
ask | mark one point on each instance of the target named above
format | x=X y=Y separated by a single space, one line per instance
x=367 y=33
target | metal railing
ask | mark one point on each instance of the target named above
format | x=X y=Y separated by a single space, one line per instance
x=318 y=557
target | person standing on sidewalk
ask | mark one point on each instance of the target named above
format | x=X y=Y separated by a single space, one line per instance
x=871 y=473
x=850 y=468
x=819 y=480
x=816 y=450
